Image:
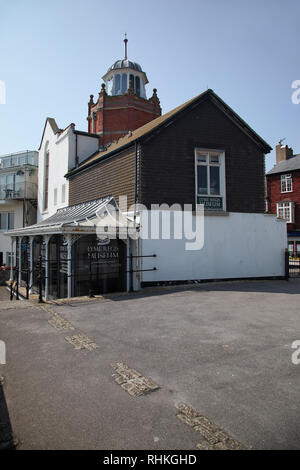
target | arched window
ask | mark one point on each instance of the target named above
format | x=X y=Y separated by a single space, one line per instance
x=117 y=84
x=124 y=83
x=131 y=80
x=46 y=178
x=137 y=86
x=109 y=86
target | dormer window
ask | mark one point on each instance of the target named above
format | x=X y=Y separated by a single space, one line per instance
x=286 y=183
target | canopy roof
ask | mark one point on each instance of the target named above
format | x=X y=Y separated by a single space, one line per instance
x=84 y=217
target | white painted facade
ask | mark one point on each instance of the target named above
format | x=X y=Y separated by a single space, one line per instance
x=18 y=194
x=66 y=149
x=236 y=245
x=15 y=207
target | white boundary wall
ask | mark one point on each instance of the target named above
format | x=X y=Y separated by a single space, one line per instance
x=235 y=246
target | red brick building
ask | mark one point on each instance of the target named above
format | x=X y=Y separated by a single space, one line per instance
x=283 y=192
x=122 y=105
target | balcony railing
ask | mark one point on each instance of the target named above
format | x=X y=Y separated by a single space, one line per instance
x=18 y=191
x=29 y=157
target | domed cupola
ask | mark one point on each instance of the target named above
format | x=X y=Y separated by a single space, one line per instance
x=122 y=104
x=123 y=75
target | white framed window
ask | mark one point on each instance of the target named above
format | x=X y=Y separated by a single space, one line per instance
x=7 y=220
x=285 y=211
x=63 y=193
x=210 y=179
x=10 y=259
x=286 y=183
x=46 y=181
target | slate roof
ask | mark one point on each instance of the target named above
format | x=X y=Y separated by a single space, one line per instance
x=166 y=119
x=291 y=164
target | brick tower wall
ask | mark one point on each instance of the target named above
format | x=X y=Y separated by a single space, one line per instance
x=114 y=116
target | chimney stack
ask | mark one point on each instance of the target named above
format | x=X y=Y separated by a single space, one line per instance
x=283 y=152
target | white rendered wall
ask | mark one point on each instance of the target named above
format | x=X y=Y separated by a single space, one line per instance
x=235 y=246
x=17 y=208
x=58 y=147
x=62 y=157
x=86 y=146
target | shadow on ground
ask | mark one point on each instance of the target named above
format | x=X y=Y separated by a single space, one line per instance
x=6 y=435
x=280 y=286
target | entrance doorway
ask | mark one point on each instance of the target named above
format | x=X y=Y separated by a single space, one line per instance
x=99 y=266
x=38 y=258
x=58 y=267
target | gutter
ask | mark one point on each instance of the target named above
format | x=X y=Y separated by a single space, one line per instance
x=261 y=143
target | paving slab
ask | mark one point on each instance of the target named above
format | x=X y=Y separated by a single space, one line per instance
x=223 y=349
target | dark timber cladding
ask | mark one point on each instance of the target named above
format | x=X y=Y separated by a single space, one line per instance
x=167 y=159
x=114 y=176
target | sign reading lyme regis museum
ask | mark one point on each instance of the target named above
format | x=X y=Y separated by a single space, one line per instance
x=100 y=252
x=213 y=203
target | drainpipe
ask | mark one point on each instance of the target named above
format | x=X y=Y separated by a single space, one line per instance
x=134 y=222
x=134 y=216
x=69 y=248
x=76 y=151
x=12 y=257
x=135 y=183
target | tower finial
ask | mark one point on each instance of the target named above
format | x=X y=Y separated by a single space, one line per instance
x=125 y=42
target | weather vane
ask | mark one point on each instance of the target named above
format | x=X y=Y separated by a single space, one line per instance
x=125 y=42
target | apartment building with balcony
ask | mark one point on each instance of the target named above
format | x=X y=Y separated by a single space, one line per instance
x=18 y=196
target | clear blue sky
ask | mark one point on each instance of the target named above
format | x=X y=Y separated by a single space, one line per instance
x=53 y=54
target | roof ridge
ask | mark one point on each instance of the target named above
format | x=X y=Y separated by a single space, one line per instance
x=131 y=136
x=143 y=131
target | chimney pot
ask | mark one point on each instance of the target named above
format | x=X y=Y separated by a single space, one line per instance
x=283 y=152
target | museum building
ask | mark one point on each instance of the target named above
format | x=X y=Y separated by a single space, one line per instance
x=132 y=163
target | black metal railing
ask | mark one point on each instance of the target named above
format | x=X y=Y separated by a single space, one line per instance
x=96 y=278
x=293 y=262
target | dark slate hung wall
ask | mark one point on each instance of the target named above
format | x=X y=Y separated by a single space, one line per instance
x=167 y=164
x=112 y=177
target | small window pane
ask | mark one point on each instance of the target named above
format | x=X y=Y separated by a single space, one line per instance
x=117 y=84
x=63 y=193
x=137 y=86
x=109 y=85
x=10 y=181
x=6 y=162
x=4 y=221
x=202 y=158
x=214 y=180
x=11 y=221
x=214 y=159
x=131 y=81
x=202 y=179
x=124 y=83
x=55 y=196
